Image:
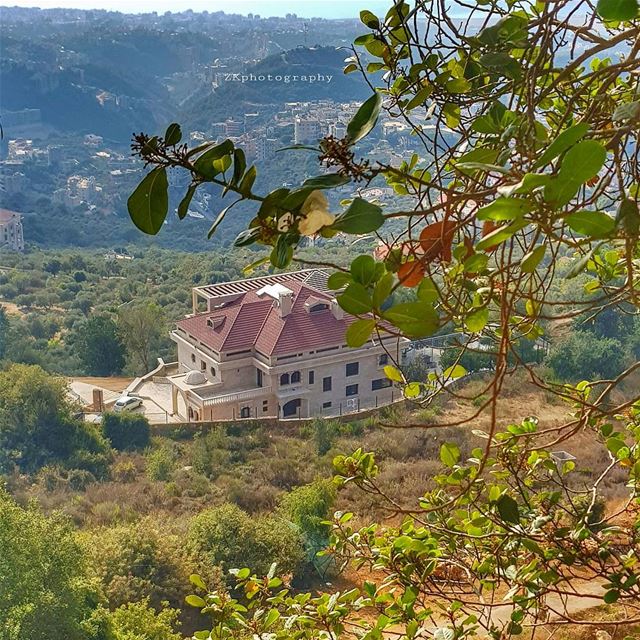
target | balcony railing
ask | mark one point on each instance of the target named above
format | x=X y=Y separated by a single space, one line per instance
x=237 y=396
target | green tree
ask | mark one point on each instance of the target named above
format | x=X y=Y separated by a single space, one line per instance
x=126 y=431
x=582 y=355
x=309 y=508
x=138 y=621
x=141 y=328
x=37 y=425
x=100 y=347
x=44 y=594
x=232 y=539
x=4 y=330
x=138 y=561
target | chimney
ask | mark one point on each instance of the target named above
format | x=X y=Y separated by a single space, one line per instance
x=336 y=309
x=285 y=302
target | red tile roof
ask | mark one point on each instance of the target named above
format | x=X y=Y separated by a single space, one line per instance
x=7 y=216
x=251 y=321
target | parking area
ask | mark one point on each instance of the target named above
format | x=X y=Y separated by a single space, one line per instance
x=156 y=397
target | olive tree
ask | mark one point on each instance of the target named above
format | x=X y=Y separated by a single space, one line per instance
x=527 y=115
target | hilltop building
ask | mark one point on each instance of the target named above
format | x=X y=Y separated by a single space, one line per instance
x=275 y=346
x=11 y=236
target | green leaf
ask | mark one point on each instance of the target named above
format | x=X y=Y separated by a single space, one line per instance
x=282 y=253
x=195 y=601
x=596 y=224
x=580 y=265
x=413 y=319
x=611 y=596
x=532 y=259
x=363 y=270
x=148 y=205
x=326 y=181
x=239 y=165
x=360 y=217
x=449 y=454
x=222 y=164
x=365 y=119
x=204 y=164
x=627 y=112
x=581 y=163
x=618 y=9
x=562 y=142
x=477 y=320
x=505 y=209
x=271 y=618
x=173 y=134
x=393 y=374
x=454 y=372
x=508 y=509
x=197 y=581
x=382 y=290
x=247 y=237
x=183 y=207
x=502 y=63
x=246 y=184
x=355 y=299
x=628 y=217
x=359 y=332
x=220 y=218
x=338 y=280
x=500 y=235
x=369 y=19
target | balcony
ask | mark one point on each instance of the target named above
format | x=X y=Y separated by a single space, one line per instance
x=236 y=396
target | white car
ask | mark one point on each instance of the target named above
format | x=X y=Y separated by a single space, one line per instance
x=127 y=403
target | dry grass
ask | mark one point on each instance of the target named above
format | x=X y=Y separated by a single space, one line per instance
x=113 y=383
x=12 y=309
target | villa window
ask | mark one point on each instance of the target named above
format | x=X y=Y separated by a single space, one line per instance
x=353 y=368
x=295 y=377
x=193 y=358
x=326 y=384
x=284 y=379
x=326 y=405
x=265 y=406
x=380 y=383
x=352 y=390
x=245 y=412
x=312 y=377
x=203 y=365
x=213 y=371
x=383 y=359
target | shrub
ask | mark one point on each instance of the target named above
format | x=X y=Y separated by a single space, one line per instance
x=160 y=464
x=232 y=539
x=139 y=621
x=137 y=561
x=124 y=471
x=126 y=431
x=43 y=593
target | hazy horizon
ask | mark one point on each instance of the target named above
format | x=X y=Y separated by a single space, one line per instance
x=265 y=8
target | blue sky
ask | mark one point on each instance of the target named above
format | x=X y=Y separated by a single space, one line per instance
x=306 y=8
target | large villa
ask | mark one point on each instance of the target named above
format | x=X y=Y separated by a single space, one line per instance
x=275 y=346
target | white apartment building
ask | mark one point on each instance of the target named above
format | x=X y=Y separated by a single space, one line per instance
x=11 y=235
x=275 y=346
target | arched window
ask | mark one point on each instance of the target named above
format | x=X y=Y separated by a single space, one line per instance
x=284 y=379
x=213 y=371
x=245 y=412
x=295 y=377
